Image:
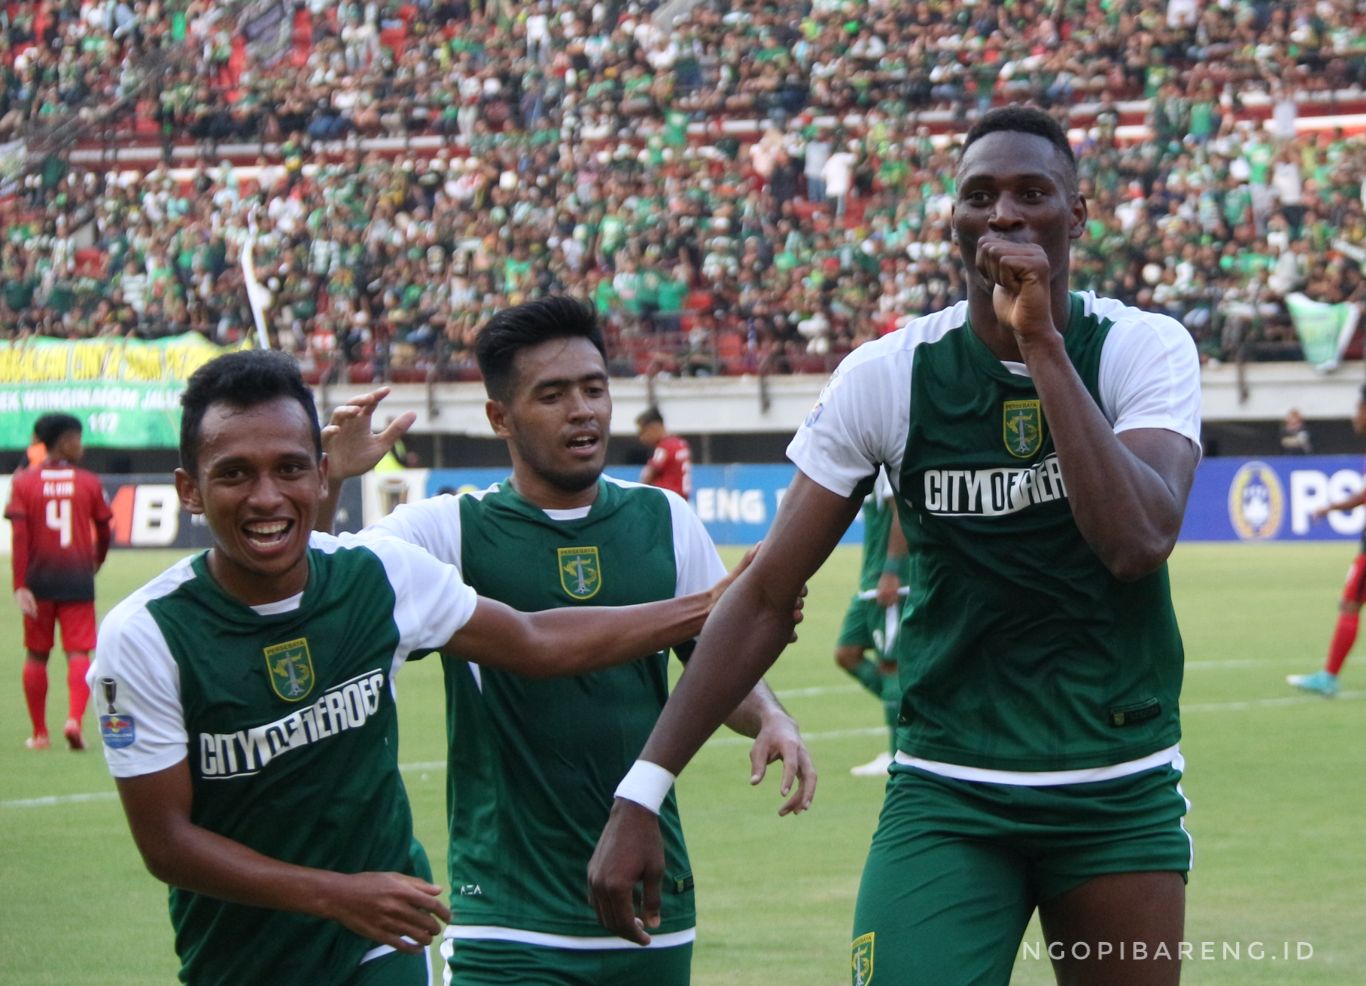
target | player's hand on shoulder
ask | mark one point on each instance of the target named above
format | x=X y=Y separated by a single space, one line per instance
x=393 y=909
x=780 y=739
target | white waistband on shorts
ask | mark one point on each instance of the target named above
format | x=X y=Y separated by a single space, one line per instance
x=490 y=932
x=1046 y=778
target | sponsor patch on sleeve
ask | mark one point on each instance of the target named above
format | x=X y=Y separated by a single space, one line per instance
x=118 y=730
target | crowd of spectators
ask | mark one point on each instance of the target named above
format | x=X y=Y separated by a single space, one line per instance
x=760 y=187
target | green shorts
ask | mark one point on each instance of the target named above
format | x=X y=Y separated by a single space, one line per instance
x=865 y=627
x=957 y=868
x=499 y=963
x=394 y=969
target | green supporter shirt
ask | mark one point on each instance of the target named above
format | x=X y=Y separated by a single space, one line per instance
x=1028 y=656
x=534 y=763
x=286 y=716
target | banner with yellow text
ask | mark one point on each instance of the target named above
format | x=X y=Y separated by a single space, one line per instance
x=125 y=391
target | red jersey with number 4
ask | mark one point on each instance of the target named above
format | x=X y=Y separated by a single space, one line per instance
x=671 y=466
x=55 y=508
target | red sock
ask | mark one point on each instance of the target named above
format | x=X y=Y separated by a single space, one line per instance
x=1343 y=639
x=35 y=694
x=77 y=690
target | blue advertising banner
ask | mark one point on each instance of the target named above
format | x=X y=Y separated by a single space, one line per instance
x=736 y=502
x=1233 y=499
x=1274 y=499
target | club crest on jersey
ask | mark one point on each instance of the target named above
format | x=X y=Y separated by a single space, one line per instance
x=861 y=959
x=580 y=571
x=290 y=667
x=1022 y=427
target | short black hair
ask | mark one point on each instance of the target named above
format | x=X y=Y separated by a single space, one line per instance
x=649 y=416
x=243 y=379
x=530 y=324
x=1026 y=120
x=50 y=428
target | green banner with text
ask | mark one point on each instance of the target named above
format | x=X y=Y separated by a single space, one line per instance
x=125 y=391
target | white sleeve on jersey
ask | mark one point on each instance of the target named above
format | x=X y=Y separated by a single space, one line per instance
x=146 y=693
x=860 y=418
x=1150 y=376
x=699 y=566
x=431 y=600
x=433 y=524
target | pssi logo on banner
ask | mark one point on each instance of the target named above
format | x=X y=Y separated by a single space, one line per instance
x=1256 y=502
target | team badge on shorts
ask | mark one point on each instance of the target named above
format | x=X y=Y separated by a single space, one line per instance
x=1022 y=427
x=861 y=960
x=290 y=667
x=580 y=571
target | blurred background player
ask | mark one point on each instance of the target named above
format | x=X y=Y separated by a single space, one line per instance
x=1325 y=681
x=874 y=614
x=60 y=536
x=1295 y=437
x=670 y=465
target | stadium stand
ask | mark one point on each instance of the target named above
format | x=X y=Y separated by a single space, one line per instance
x=758 y=188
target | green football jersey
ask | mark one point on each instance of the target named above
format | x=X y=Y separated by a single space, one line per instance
x=533 y=763
x=286 y=716
x=879 y=514
x=1023 y=653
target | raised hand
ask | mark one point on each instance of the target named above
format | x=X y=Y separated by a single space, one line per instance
x=352 y=447
x=1021 y=273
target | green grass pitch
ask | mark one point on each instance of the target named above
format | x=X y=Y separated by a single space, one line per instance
x=1277 y=781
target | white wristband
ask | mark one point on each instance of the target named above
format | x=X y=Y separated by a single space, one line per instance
x=647 y=784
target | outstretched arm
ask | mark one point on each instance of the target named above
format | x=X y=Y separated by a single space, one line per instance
x=745 y=634
x=557 y=642
x=388 y=908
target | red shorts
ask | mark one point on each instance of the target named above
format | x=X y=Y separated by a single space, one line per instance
x=78 y=626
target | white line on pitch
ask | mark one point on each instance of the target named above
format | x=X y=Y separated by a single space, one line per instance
x=58 y=799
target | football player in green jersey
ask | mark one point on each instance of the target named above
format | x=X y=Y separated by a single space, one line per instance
x=873 y=619
x=532 y=763
x=247 y=707
x=1042 y=442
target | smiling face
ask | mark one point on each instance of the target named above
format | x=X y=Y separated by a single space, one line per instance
x=258 y=484
x=1016 y=186
x=556 y=422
